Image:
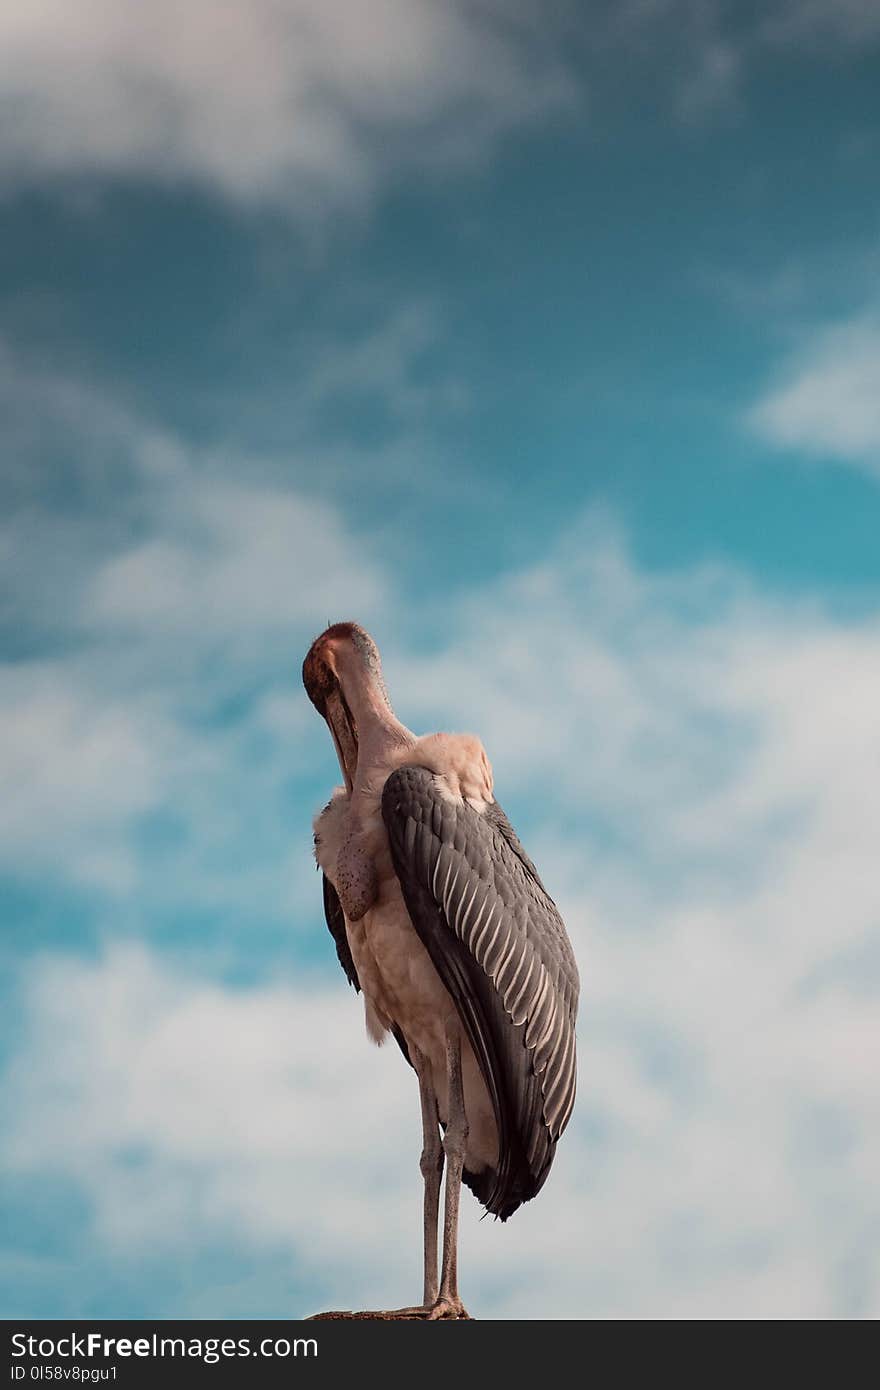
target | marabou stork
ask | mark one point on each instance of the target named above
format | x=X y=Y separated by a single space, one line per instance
x=440 y=918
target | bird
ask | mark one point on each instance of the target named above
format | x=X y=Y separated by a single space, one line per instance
x=441 y=921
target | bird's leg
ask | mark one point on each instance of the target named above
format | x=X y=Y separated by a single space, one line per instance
x=448 y=1304
x=431 y=1165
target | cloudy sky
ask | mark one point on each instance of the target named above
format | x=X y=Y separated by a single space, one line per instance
x=543 y=339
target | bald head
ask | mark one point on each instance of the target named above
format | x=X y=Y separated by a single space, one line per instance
x=343 y=649
x=342 y=674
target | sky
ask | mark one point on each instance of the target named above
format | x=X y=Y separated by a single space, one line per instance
x=544 y=341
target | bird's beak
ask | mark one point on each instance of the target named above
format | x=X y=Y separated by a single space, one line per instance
x=344 y=732
x=323 y=688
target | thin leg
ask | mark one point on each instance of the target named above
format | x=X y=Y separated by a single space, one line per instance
x=448 y=1304
x=431 y=1165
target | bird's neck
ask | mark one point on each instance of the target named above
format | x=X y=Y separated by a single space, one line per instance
x=382 y=739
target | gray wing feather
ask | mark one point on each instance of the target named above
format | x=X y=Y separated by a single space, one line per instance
x=517 y=936
x=501 y=948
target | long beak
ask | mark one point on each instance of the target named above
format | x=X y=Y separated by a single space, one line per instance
x=342 y=727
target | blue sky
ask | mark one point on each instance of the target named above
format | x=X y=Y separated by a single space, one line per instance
x=544 y=341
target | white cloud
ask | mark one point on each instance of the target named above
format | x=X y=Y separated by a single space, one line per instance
x=698 y=764
x=232 y=559
x=701 y=761
x=80 y=768
x=703 y=52
x=183 y=1108
x=383 y=365
x=827 y=401
x=157 y=602
x=584 y=666
x=292 y=101
x=308 y=102
x=850 y=22
x=713 y=80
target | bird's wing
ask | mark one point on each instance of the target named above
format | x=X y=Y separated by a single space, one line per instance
x=336 y=922
x=500 y=947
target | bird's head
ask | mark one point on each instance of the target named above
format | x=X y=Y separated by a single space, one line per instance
x=342 y=674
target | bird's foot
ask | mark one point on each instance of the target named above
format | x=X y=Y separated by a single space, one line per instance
x=419 y=1312
x=443 y=1308
x=448 y=1309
